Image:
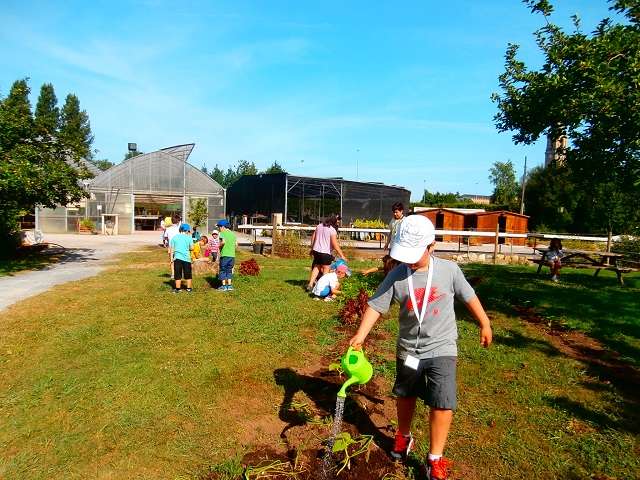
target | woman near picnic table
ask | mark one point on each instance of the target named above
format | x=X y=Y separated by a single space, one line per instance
x=553 y=257
x=323 y=240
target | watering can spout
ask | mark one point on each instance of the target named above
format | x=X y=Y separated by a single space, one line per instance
x=343 y=391
x=356 y=365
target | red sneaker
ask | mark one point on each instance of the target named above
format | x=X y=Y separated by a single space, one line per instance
x=402 y=446
x=438 y=469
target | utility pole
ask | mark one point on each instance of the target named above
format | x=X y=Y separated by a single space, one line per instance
x=524 y=181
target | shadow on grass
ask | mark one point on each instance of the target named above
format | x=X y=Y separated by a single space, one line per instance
x=213 y=282
x=44 y=258
x=323 y=394
x=597 y=306
x=297 y=283
x=515 y=339
x=624 y=423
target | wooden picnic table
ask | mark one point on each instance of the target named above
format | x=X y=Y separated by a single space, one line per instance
x=588 y=259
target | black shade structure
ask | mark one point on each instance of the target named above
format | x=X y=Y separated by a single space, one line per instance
x=309 y=199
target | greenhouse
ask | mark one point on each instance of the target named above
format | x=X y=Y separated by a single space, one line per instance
x=137 y=193
x=307 y=199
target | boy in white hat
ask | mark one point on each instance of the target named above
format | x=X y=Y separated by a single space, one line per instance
x=425 y=287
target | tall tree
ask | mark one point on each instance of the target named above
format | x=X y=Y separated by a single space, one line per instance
x=103 y=164
x=275 y=168
x=17 y=120
x=586 y=89
x=47 y=116
x=243 y=167
x=75 y=129
x=503 y=177
x=218 y=175
x=33 y=170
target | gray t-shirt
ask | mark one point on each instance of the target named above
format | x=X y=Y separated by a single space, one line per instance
x=438 y=334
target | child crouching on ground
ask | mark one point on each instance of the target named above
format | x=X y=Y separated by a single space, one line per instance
x=328 y=285
x=426 y=355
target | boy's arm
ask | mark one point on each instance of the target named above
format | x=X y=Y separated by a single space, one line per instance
x=475 y=308
x=369 y=319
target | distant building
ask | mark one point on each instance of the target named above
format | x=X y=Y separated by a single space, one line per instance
x=555 y=151
x=481 y=199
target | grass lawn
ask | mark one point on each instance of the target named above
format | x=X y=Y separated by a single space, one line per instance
x=114 y=377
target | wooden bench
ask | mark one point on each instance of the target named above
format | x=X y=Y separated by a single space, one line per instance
x=594 y=266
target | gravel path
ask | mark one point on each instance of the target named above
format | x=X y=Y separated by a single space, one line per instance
x=85 y=256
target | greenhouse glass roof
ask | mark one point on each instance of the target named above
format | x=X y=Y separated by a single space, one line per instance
x=164 y=171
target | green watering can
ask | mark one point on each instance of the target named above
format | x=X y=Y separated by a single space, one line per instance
x=356 y=365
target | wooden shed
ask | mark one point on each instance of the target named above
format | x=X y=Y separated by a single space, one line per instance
x=507 y=222
x=445 y=219
x=478 y=220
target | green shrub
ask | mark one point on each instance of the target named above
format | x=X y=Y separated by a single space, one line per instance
x=88 y=223
x=630 y=246
x=289 y=245
x=373 y=223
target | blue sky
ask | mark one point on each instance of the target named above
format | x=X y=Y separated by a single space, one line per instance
x=397 y=92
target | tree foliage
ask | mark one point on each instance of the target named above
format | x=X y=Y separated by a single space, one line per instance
x=218 y=175
x=103 y=164
x=233 y=173
x=131 y=154
x=34 y=168
x=587 y=89
x=437 y=199
x=75 y=129
x=505 y=187
x=197 y=211
x=47 y=115
x=275 y=168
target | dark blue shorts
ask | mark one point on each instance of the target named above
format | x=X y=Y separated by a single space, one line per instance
x=226 y=268
x=434 y=381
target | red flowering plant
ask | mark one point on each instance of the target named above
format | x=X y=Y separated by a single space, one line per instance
x=249 y=267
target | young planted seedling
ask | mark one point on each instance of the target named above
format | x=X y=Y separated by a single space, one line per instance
x=274 y=468
x=346 y=448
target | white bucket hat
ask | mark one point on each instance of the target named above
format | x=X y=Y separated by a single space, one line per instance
x=414 y=234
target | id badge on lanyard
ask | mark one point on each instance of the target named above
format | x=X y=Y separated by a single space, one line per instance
x=411 y=361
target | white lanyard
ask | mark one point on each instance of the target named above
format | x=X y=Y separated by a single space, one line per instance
x=425 y=301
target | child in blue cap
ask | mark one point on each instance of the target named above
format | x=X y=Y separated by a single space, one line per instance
x=227 y=255
x=180 y=247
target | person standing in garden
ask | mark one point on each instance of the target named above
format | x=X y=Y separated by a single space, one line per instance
x=398 y=215
x=180 y=247
x=323 y=240
x=227 y=255
x=171 y=231
x=426 y=354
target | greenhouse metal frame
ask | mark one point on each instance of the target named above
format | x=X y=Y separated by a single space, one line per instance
x=137 y=193
x=307 y=200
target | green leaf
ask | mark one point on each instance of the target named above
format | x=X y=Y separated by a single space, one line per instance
x=343 y=440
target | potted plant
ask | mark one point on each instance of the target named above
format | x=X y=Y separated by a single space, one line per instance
x=86 y=226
